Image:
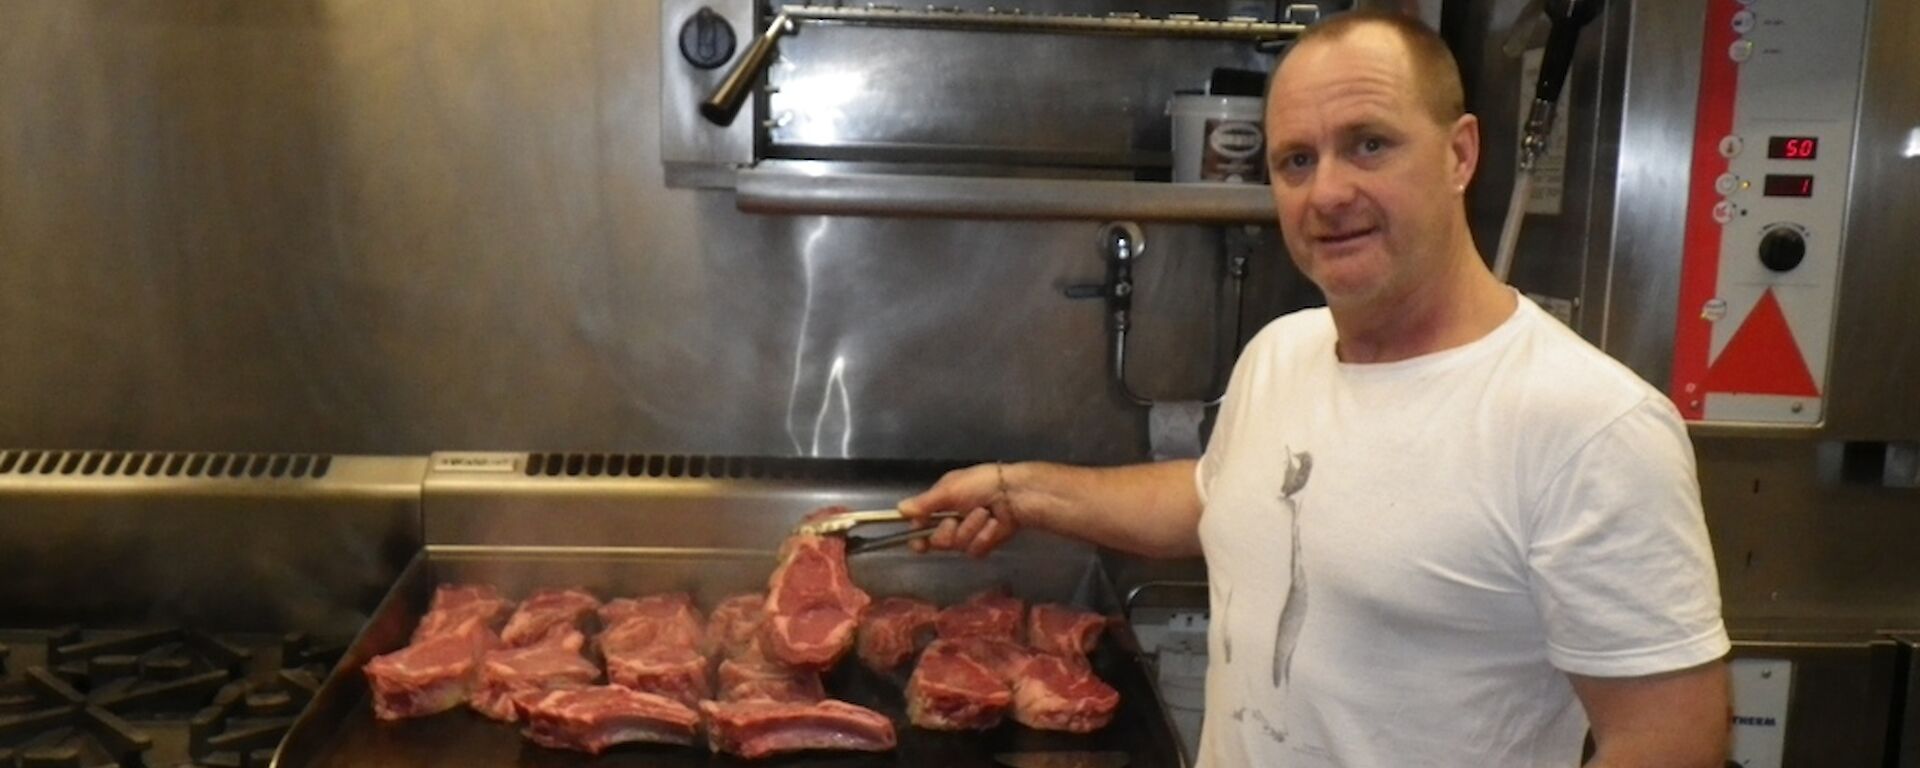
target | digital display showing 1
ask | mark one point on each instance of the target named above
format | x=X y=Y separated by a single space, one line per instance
x=1792 y=148
x=1783 y=185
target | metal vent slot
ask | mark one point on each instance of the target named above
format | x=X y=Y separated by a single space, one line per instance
x=674 y=466
x=147 y=464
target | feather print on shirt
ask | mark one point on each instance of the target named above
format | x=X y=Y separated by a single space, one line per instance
x=1293 y=614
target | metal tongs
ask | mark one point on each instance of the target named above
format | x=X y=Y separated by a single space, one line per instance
x=843 y=523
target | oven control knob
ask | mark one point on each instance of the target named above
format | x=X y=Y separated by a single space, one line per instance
x=706 y=40
x=1782 y=249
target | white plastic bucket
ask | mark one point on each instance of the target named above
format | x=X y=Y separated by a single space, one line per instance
x=1218 y=139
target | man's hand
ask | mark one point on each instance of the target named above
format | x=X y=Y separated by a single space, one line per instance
x=1145 y=509
x=1675 y=720
x=981 y=492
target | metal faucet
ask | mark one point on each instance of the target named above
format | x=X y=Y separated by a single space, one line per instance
x=1122 y=244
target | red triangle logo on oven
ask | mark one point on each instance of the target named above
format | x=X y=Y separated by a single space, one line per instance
x=1762 y=358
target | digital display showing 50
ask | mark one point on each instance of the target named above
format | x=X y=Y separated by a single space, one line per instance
x=1792 y=148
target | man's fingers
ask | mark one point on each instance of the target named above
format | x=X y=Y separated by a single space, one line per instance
x=919 y=546
x=943 y=535
x=970 y=528
x=986 y=541
x=966 y=488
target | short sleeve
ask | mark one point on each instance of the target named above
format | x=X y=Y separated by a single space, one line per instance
x=1623 y=572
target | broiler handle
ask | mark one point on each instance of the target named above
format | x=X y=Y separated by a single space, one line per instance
x=725 y=101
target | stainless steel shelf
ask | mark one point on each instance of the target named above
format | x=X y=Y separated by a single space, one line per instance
x=784 y=190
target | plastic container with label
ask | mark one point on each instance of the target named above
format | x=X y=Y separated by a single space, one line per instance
x=1218 y=139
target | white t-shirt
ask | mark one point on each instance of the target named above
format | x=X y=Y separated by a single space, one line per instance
x=1407 y=558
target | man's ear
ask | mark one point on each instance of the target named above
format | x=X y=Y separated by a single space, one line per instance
x=1465 y=145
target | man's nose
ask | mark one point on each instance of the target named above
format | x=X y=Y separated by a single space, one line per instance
x=1332 y=187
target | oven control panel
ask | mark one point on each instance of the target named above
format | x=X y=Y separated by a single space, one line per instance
x=1767 y=202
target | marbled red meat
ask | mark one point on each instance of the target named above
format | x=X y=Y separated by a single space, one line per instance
x=813 y=607
x=952 y=690
x=429 y=676
x=752 y=676
x=459 y=608
x=1062 y=629
x=987 y=614
x=516 y=674
x=594 y=718
x=1061 y=693
x=549 y=615
x=893 y=629
x=668 y=618
x=674 y=671
x=734 y=627
x=654 y=644
x=757 y=729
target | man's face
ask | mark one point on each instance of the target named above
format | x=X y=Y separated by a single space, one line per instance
x=1367 y=181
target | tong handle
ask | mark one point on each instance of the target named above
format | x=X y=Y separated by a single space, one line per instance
x=859 y=544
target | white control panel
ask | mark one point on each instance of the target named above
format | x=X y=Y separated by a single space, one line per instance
x=1779 y=96
x=1762 y=689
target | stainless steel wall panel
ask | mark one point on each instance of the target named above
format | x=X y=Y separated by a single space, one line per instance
x=403 y=226
x=1796 y=545
x=1876 y=350
x=1637 y=316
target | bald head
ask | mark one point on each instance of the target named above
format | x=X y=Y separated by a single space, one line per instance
x=1435 y=73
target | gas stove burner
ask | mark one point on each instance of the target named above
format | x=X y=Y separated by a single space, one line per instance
x=169 y=671
x=161 y=697
x=57 y=726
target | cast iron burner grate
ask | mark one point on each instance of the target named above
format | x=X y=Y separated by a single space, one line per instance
x=155 y=698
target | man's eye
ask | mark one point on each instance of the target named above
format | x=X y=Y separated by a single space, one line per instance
x=1372 y=145
x=1295 y=161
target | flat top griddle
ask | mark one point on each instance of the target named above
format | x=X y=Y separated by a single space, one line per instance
x=339 y=731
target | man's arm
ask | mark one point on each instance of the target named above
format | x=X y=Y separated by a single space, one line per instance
x=1674 y=720
x=1145 y=509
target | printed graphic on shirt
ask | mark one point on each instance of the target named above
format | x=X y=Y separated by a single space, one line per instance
x=1293 y=614
x=1225 y=601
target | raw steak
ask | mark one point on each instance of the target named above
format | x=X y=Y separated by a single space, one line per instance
x=595 y=718
x=518 y=674
x=892 y=631
x=675 y=671
x=812 y=607
x=1061 y=693
x=457 y=608
x=449 y=597
x=755 y=677
x=988 y=614
x=735 y=623
x=756 y=729
x=667 y=618
x=429 y=676
x=549 y=615
x=951 y=690
x=1004 y=658
x=1061 y=629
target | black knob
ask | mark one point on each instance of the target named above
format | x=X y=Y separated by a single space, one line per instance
x=1782 y=249
x=706 y=40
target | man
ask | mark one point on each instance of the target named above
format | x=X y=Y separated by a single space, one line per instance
x=1440 y=528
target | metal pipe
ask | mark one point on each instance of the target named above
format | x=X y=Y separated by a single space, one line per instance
x=1017 y=21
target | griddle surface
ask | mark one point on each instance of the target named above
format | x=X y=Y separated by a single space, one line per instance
x=463 y=738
